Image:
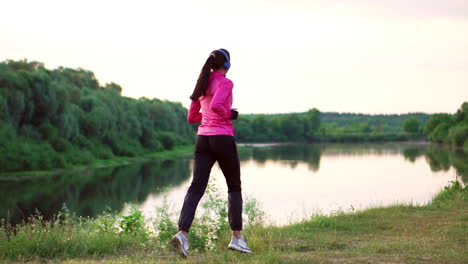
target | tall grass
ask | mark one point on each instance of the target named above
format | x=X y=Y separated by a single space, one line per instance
x=401 y=229
x=67 y=235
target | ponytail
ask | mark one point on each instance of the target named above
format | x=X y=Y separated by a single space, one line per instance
x=202 y=82
x=216 y=60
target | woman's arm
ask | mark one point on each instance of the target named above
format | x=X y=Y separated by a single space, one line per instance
x=218 y=103
x=194 y=115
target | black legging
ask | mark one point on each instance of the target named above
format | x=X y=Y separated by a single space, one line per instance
x=208 y=150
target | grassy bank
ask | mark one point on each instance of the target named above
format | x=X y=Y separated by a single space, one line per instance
x=179 y=151
x=115 y=161
x=434 y=233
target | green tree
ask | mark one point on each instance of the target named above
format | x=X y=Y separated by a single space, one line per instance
x=312 y=122
x=462 y=113
x=292 y=127
x=63 y=117
x=458 y=134
x=411 y=125
x=435 y=120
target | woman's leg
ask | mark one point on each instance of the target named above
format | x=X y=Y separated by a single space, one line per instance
x=203 y=162
x=225 y=151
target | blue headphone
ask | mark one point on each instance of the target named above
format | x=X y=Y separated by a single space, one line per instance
x=227 y=64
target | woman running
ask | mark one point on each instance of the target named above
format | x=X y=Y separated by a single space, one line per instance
x=215 y=142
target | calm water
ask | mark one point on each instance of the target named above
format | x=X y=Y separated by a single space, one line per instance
x=291 y=182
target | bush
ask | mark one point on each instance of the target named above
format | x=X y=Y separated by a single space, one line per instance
x=151 y=142
x=48 y=131
x=103 y=152
x=133 y=222
x=79 y=157
x=59 y=161
x=440 y=133
x=30 y=132
x=458 y=135
x=60 y=145
x=83 y=142
x=167 y=139
x=20 y=154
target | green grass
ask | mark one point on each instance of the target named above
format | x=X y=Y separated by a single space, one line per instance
x=115 y=161
x=434 y=233
x=179 y=151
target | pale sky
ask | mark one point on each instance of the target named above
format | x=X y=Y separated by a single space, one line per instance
x=381 y=56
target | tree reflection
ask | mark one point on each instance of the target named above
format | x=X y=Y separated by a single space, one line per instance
x=309 y=153
x=412 y=153
x=89 y=192
x=438 y=158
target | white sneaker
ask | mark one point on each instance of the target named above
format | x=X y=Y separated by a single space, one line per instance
x=180 y=244
x=239 y=245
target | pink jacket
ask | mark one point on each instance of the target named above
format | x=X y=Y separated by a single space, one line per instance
x=216 y=107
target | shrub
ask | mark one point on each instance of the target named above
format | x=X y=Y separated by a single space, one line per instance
x=30 y=132
x=48 y=131
x=440 y=133
x=458 y=134
x=79 y=157
x=167 y=139
x=83 y=142
x=151 y=142
x=103 y=152
x=123 y=146
x=59 y=161
x=60 y=144
x=133 y=222
x=19 y=154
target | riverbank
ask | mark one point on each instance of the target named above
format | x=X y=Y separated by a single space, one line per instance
x=177 y=152
x=180 y=151
x=434 y=233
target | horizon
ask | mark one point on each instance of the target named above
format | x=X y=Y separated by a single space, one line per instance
x=390 y=57
x=260 y=113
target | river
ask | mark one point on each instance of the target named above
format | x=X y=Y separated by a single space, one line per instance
x=290 y=182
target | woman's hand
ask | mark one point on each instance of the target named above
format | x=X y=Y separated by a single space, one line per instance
x=234 y=114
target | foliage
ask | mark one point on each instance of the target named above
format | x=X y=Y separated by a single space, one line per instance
x=411 y=125
x=449 y=129
x=63 y=117
x=324 y=127
x=132 y=222
x=68 y=238
x=207 y=228
x=458 y=134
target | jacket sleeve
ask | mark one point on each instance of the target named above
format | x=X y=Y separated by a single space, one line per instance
x=218 y=103
x=194 y=115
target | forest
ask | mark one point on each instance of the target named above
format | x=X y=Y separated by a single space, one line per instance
x=314 y=126
x=64 y=117
x=449 y=129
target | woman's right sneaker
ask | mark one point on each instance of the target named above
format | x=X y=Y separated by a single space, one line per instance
x=239 y=245
x=180 y=244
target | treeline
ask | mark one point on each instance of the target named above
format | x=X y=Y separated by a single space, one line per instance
x=314 y=126
x=449 y=129
x=62 y=117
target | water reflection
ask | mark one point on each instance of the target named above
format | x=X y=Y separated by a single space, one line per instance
x=88 y=192
x=302 y=176
x=296 y=181
x=438 y=158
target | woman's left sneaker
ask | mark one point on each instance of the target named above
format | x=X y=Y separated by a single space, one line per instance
x=180 y=244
